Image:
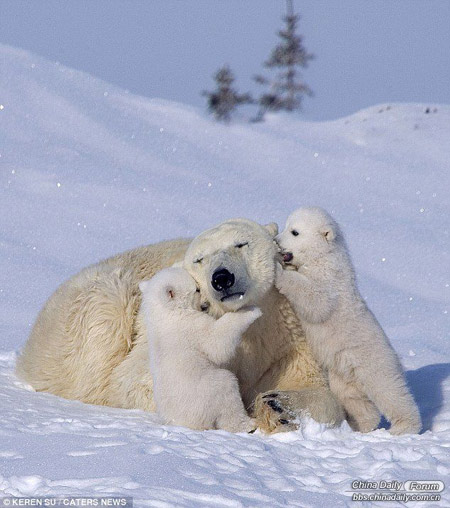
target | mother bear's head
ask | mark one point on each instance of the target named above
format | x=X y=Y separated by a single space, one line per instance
x=233 y=263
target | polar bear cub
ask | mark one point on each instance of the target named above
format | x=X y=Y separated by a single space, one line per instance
x=364 y=371
x=189 y=351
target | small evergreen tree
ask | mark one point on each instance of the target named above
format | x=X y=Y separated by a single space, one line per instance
x=224 y=100
x=287 y=90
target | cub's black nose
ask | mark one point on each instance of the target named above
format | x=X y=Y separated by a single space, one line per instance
x=287 y=257
x=222 y=279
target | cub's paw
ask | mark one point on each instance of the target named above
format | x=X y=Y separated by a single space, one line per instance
x=271 y=416
x=365 y=426
x=245 y=424
x=367 y=418
x=405 y=426
x=251 y=313
x=278 y=270
x=281 y=278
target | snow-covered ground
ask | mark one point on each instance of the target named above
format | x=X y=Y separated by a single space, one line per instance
x=87 y=170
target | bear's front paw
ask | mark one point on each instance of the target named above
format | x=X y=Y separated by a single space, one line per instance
x=270 y=415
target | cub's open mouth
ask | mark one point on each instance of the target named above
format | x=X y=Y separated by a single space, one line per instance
x=234 y=296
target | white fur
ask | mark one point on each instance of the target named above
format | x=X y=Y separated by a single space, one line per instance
x=364 y=371
x=189 y=351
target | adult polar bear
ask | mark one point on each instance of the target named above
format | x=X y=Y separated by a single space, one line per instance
x=89 y=341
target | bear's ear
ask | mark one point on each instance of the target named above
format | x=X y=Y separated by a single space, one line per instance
x=328 y=232
x=272 y=228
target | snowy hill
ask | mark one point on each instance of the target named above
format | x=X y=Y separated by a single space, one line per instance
x=87 y=170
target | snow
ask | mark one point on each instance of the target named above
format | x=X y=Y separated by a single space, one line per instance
x=88 y=170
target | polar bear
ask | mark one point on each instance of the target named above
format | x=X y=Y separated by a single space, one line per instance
x=364 y=371
x=89 y=341
x=189 y=352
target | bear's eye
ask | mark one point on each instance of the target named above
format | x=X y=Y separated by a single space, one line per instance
x=198 y=260
x=240 y=245
x=197 y=290
x=294 y=232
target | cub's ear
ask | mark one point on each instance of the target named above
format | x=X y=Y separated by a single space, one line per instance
x=170 y=292
x=329 y=233
x=272 y=228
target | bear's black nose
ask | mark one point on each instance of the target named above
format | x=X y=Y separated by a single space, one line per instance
x=222 y=279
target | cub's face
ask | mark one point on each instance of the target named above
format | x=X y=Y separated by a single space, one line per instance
x=308 y=234
x=184 y=295
x=172 y=288
x=233 y=264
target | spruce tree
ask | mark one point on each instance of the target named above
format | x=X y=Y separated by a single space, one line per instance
x=286 y=91
x=224 y=100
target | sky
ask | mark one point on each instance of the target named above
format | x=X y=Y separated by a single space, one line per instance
x=367 y=51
